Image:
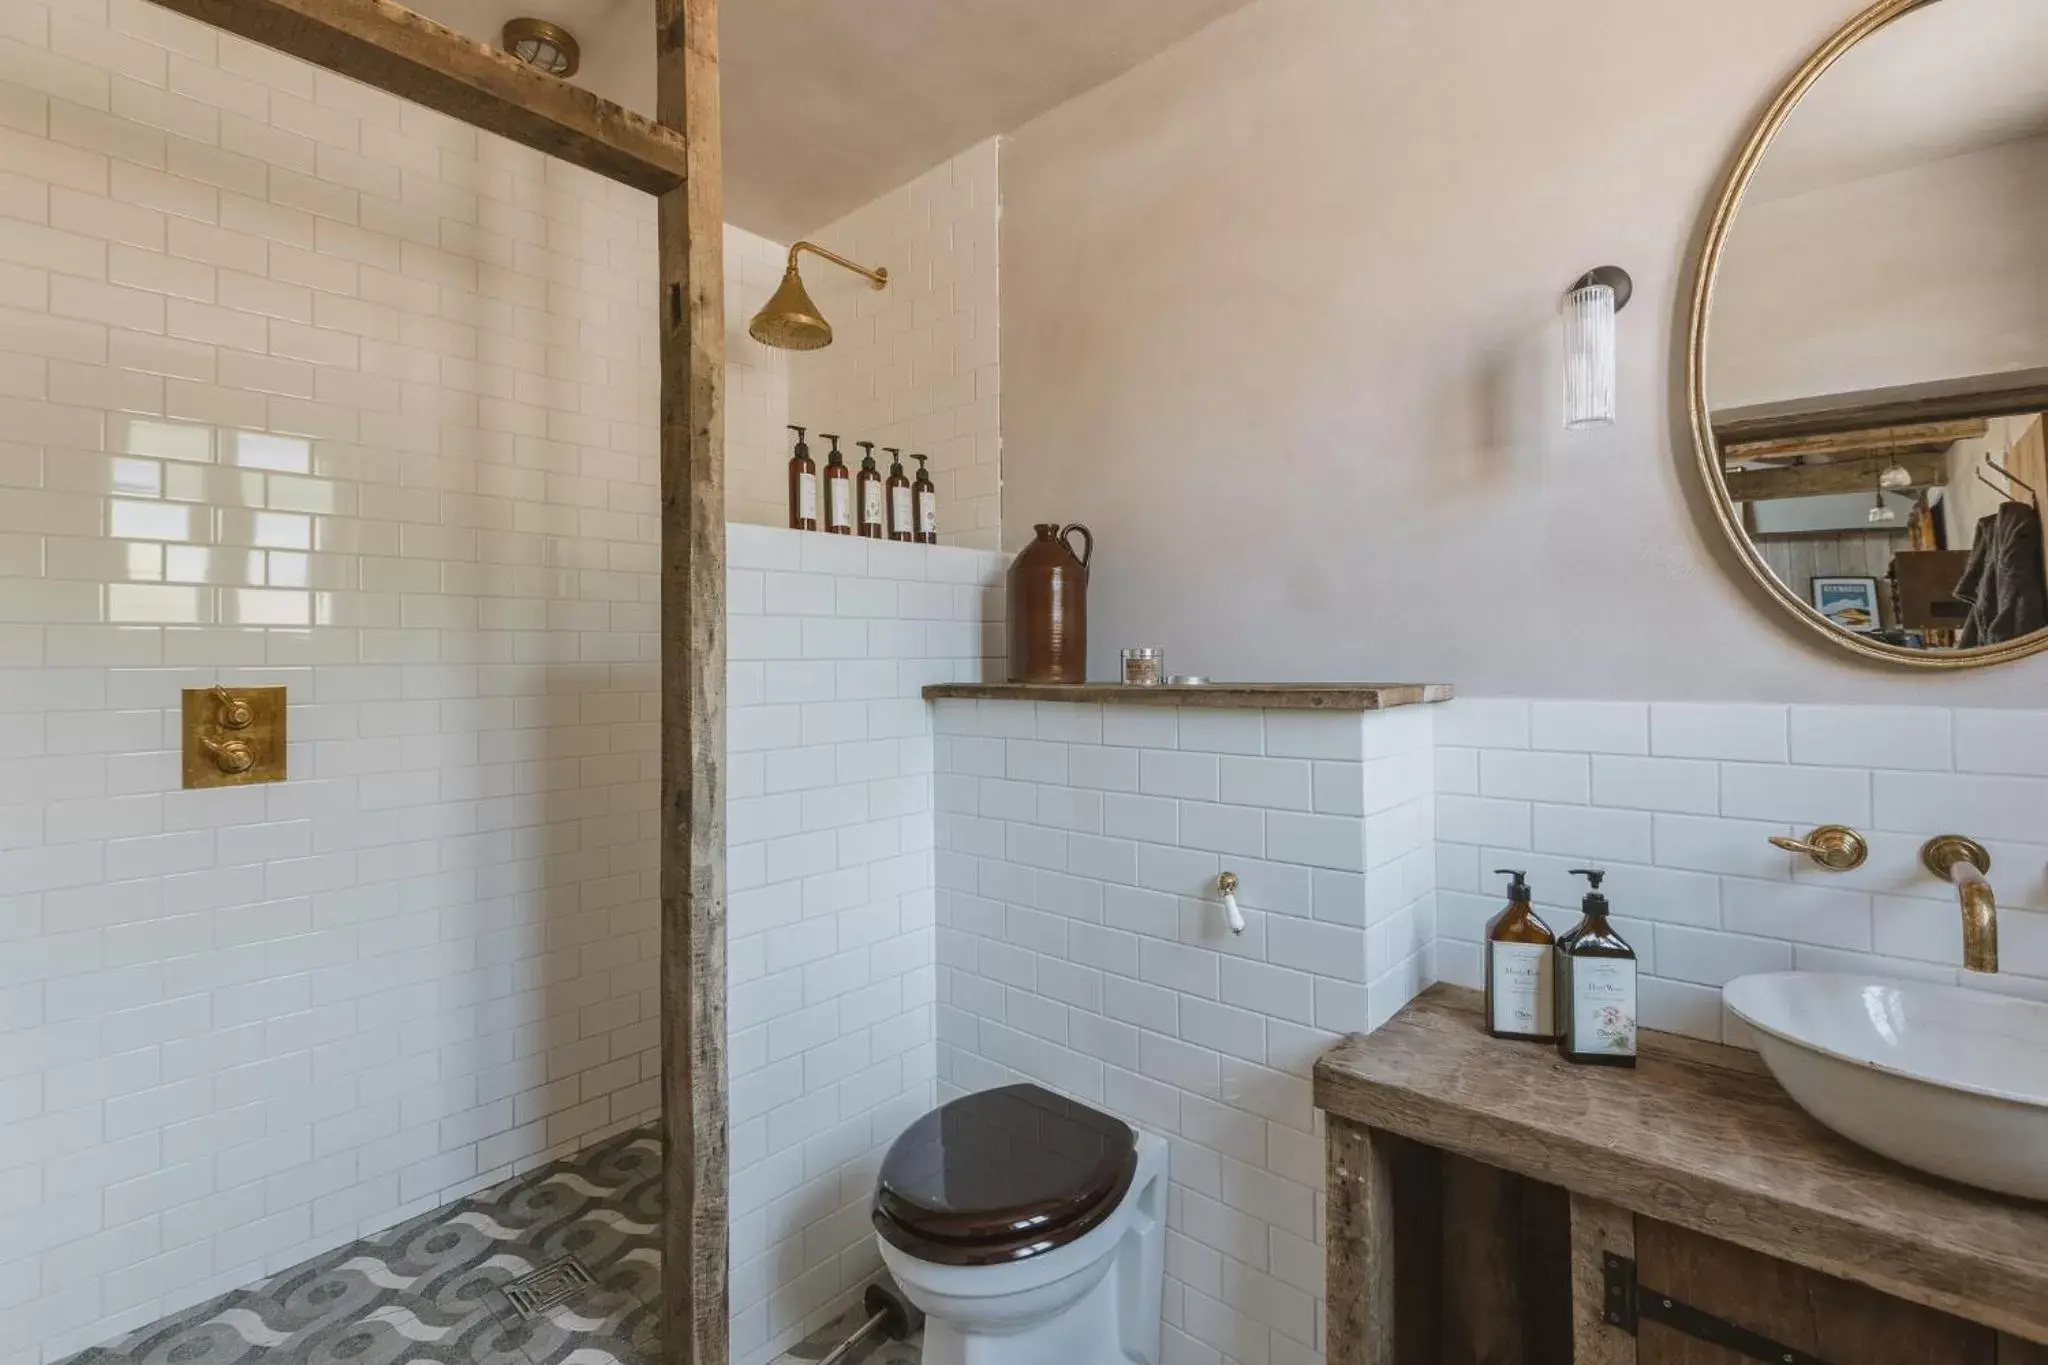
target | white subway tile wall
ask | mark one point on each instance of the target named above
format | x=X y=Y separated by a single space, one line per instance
x=831 y=904
x=302 y=385
x=1081 y=944
x=1679 y=801
x=917 y=365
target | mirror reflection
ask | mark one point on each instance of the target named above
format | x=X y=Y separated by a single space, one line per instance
x=1878 y=373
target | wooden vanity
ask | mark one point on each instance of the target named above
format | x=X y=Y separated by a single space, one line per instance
x=1489 y=1202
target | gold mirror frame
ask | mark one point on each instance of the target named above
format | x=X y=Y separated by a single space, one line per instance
x=1708 y=449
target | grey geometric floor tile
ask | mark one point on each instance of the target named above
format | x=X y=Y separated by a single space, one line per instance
x=431 y=1291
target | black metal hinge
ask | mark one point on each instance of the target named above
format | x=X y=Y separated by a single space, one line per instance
x=1627 y=1302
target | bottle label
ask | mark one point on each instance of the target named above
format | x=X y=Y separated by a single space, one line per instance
x=840 y=498
x=899 y=510
x=928 y=513
x=871 y=505
x=1604 y=1005
x=1524 y=993
x=807 y=497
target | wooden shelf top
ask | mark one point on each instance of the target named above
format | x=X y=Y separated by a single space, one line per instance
x=1240 y=696
x=1698 y=1135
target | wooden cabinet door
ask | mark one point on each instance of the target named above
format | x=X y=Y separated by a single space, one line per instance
x=1833 y=1320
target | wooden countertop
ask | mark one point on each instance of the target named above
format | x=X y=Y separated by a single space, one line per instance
x=1242 y=696
x=1700 y=1136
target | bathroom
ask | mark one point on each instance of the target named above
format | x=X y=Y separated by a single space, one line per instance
x=309 y=384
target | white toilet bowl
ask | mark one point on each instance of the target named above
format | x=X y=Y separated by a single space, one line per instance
x=1091 y=1300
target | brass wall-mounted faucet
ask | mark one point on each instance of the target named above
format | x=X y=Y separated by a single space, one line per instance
x=1963 y=863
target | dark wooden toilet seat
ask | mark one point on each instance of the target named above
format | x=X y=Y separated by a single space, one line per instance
x=1001 y=1176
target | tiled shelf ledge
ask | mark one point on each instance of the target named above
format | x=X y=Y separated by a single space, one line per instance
x=1221 y=696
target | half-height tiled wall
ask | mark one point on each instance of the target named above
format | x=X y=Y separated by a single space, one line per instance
x=1679 y=801
x=917 y=365
x=301 y=385
x=830 y=841
x=1081 y=944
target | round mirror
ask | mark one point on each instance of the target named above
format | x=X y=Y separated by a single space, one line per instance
x=1869 y=346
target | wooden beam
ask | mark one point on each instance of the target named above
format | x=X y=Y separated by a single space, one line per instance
x=1856 y=476
x=388 y=46
x=691 y=234
x=1920 y=438
x=1984 y=395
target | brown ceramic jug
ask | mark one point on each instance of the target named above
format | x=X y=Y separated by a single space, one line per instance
x=1049 y=608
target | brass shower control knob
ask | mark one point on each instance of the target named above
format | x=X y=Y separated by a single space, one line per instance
x=233 y=738
x=235 y=712
x=1834 y=847
x=233 y=756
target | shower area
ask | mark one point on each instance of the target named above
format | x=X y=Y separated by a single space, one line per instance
x=307 y=386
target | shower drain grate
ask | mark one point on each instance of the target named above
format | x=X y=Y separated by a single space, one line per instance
x=554 y=1283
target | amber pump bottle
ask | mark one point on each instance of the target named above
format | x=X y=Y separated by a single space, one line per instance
x=1521 y=966
x=1596 y=986
x=926 y=494
x=868 y=490
x=838 y=491
x=803 y=486
x=901 y=527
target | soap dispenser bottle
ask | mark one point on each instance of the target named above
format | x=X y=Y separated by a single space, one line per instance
x=1596 y=986
x=803 y=486
x=927 y=495
x=838 y=491
x=1521 y=965
x=901 y=527
x=869 y=482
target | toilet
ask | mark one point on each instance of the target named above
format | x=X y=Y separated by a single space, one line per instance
x=1029 y=1229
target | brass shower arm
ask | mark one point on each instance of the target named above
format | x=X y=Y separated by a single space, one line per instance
x=879 y=275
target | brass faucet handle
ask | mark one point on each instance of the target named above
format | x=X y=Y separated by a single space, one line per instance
x=235 y=712
x=1227 y=883
x=1940 y=855
x=233 y=756
x=1834 y=847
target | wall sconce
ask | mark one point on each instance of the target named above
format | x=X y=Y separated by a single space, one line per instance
x=1589 y=310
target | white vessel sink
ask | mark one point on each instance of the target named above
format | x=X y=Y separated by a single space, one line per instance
x=1951 y=1081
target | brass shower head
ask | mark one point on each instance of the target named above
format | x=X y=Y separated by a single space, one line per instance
x=790 y=321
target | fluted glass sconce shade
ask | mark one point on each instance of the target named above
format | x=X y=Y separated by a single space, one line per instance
x=1589 y=360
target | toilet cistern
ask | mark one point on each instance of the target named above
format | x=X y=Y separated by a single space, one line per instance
x=1962 y=863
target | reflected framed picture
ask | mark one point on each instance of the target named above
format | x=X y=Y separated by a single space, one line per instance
x=1850 y=603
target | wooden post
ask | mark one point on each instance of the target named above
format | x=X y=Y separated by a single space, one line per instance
x=695 y=1274
x=1598 y=1228
x=1361 y=1241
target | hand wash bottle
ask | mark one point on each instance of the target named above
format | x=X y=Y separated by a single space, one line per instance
x=1596 y=986
x=1521 y=995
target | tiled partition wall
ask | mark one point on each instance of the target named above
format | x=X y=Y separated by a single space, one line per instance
x=830 y=838
x=917 y=365
x=1082 y=945
x=1679 y=800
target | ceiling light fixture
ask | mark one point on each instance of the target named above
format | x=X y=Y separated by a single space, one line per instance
x=543 y=46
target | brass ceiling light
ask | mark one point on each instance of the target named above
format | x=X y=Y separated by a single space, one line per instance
x=790 y=321
x=543 y=46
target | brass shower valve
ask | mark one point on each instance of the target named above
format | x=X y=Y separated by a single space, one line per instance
x=234 y=737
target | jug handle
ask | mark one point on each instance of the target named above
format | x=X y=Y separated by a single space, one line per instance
x=1077 y=526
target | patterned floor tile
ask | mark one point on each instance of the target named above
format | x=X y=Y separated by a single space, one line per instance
x=432 y=1291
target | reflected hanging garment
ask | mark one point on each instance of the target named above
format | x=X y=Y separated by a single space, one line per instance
x=2004 y=581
